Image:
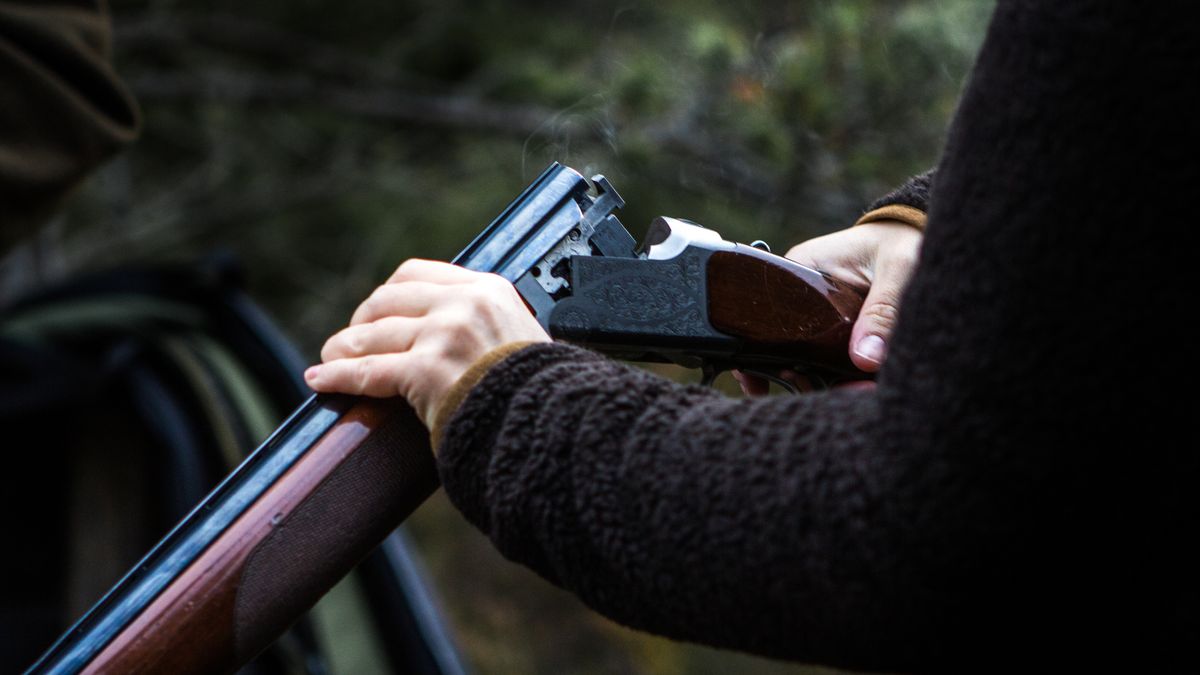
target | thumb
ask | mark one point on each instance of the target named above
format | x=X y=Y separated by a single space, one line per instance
x=873 y=329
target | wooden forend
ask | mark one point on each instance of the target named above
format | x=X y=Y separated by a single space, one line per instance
x=191 y=627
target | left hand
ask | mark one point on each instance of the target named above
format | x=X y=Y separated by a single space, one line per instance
x=418 y=333
x=876 y=258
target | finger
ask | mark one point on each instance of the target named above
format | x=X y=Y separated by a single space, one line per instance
x=433 y=271
x=876 y=321
x=377 y=375
x=391 y=334
x=408 y=298
x=856 y=385
x=873 y=328
x=752 y=385
x=800 y=382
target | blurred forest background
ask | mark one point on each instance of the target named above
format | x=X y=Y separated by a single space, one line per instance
x=323 y=143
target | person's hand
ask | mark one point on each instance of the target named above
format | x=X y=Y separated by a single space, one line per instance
x=419 y=332
x=875 y=258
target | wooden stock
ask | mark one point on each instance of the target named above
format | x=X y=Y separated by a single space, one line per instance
x=769 y=300
x=238 y=595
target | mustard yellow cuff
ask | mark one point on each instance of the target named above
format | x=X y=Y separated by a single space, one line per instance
x=906 y=214
x=464 y=385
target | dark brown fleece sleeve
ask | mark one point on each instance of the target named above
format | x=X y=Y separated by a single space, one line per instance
x=62 y=108
x=1017 y=492
x=913 y=193
x=673 y=508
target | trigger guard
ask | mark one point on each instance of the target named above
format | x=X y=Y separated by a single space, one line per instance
x=771 y=377
x=709 y=373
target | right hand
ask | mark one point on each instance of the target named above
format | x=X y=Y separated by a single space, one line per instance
x=875 y=258
x=417 y=334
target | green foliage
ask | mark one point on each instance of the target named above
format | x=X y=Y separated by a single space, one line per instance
x=324 y=143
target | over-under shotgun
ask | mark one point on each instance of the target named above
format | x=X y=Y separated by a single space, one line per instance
x=342 y=472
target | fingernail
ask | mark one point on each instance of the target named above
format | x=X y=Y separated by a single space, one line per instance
x=871 y=348
x=311 y=373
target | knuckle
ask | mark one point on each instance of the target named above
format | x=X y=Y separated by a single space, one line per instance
x=499 y=295
x=367 y=376
x=882 y=313
x=329 y=350
x=341 y=345
x=377 y=331
x=497 y=283
x=361 y=375
x=453 y=326
x=407 y=268
x=354 y=343
x=373 y=304
x=886 y=292
x=383 y=295
x=480 y=292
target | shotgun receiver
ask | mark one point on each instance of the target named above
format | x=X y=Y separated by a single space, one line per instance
x=342 y=471
x=685 y=295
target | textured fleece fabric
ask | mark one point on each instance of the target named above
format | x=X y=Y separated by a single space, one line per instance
x=1018 y=491
x=914 y=192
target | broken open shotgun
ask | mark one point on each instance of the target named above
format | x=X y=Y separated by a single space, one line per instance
x=343 y=471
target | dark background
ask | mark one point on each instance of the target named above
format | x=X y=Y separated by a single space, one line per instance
x=323 y=142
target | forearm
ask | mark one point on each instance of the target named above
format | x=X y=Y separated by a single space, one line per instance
x=764 y=525
x=64 y=109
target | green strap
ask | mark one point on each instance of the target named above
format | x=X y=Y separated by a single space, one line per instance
x=221 y=415
x=249 y=400
x=128 y=313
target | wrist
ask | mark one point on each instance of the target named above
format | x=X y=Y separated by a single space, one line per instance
x=457 y=393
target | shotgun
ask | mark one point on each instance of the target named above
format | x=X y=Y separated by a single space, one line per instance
x=342 y=472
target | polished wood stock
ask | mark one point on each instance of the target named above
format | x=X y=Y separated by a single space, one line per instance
x=769 y=300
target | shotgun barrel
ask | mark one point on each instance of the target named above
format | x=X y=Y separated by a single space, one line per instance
x=301 y=510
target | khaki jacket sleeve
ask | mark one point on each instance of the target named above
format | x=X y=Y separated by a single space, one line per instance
x=907 y=204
